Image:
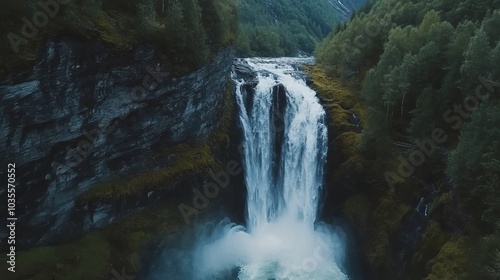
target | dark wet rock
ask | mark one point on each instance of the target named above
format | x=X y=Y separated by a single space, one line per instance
x=82 y=116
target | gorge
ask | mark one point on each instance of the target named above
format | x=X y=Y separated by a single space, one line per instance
x=284 y=153
x=147 y=144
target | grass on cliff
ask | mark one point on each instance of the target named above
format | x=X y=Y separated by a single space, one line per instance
x=339 y=97
x=340 y=102
x=123 y=244
x=129 y=238
x=450 y=263
x=86 y=258
x=189 y=159
x=96 y=254
x=220 y=137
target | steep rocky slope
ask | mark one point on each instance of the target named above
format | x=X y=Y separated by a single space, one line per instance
x=87 y=114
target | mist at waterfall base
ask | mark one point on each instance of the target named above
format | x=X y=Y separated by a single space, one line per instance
x=284 y=249
x=282 y=239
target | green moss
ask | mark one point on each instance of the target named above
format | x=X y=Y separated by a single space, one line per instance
x=189 y=161
x=450 y=263
x=339 y=117
x=129 y=237
x=339 y=98
x=340 y=101
x=86 y=258
x=440 y=209
x=122 y=244
x=97 y=253
x=386 y=220
x=220 y=137
x=346 y=146
x=428 y=247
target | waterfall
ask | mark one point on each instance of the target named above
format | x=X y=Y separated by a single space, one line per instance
x=285 y=146
x=288 y=185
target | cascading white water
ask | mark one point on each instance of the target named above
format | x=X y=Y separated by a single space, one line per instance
x=281 y=240
x=294 y=190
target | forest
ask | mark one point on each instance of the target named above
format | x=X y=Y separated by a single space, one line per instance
x=431 y=70
x=409 y=98
x=283 y=27
x=187 y=32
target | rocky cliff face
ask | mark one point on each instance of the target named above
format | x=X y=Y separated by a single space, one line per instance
x=86 y=113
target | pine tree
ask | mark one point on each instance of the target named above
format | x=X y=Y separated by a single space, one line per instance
x=458 y=44
x=476 y=61
x=422 y=122
x=490 y=27
x=495 y=63
x=195 y=34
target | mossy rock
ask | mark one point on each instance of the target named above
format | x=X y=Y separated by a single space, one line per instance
x=451 y=261
x=189 y=160
x=220 y=137
x=427 y=248
x=386 y=221
x=339 y=118
x=346 y=147
x=330 y=89
x=86 y=258
x=97 y=253
x=129 y=238
x=340 y=99
x=440 y=209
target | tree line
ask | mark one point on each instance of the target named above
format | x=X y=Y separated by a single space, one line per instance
x=186 y=32
x=283 y=27
x=420 y=65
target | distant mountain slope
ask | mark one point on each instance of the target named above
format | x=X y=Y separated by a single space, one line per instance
x=287 y=27
x=345 y=8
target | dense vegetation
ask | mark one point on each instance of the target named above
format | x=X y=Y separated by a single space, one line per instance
x=186 y=32
x=427 y=71
x=283 y=27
